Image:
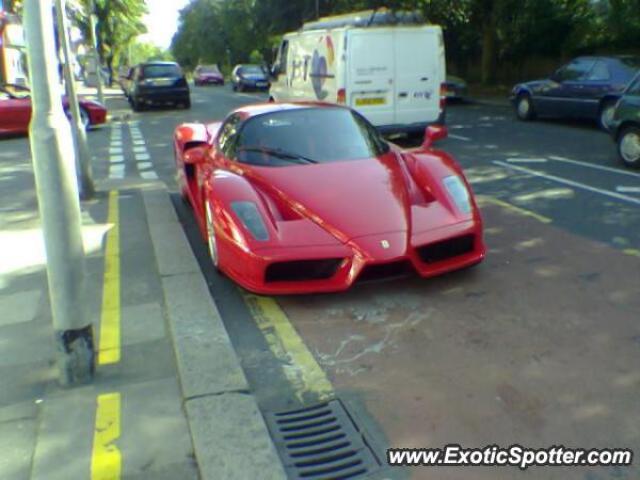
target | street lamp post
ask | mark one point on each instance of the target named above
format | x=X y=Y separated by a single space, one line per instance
x=87 y=189
x=57 y=190
x=94 y=50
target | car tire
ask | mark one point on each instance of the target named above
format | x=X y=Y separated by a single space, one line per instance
x=212 y=242
x=187 y=104
x=628 y=142
x=605 y=114
x=524 y=107
x=136 y=105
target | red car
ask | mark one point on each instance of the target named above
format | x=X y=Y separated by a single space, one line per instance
x=207 y=75
x=15 y=110
x=308 y=197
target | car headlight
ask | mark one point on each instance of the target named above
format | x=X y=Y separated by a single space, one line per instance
x=251 y=219
x=458 y=192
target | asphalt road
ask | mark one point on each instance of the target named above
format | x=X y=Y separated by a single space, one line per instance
x=539 y=345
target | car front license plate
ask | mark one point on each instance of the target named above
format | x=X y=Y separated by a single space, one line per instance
x=370 y=101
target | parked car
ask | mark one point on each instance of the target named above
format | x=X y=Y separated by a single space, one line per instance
x=587 y=87
x=253 y=179
x=158 y=83
x=249 y=77
x=15 y=110
x=455 y=88
x=625 y=125
x=207 y=75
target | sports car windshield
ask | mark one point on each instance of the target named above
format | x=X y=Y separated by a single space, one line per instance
x=308 y=135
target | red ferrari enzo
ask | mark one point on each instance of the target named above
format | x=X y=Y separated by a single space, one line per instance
x=308 y=197
x=15 y=110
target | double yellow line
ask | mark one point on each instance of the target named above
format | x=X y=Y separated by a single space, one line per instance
x=106 y=459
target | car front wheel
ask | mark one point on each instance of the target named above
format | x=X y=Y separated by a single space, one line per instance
x=629 y=146
x=211 y=234
x=524 y=107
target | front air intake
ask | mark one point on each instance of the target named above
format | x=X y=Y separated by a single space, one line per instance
x=301 y=270
x=446 y=249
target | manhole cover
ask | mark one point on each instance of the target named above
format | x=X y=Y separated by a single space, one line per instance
x=321 y=442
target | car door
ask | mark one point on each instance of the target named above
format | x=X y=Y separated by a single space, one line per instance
x=595 y=86
x=559 y=95
x=15 y=113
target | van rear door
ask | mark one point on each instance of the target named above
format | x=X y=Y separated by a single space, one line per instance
x=370 y=72
x=419 y=72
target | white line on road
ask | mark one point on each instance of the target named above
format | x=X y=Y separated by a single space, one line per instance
x=460 y=137
x=623 y=189
x=572 y=183
x=116 y=171
x=115 y=150
x=140 y=149
x=144 y=165
x=138 y=142
x=116 y=158
x=142 y=156
x=149 y=175
x=526 y=160
x=593 y=165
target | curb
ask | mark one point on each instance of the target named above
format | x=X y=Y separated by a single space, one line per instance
x=229 y=435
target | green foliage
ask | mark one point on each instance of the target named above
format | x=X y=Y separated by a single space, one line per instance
x=139 y=52
x=499 y=35
x=118 y=23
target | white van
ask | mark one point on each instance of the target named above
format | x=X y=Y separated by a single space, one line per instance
x=391 y=74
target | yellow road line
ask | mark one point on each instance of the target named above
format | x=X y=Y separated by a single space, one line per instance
x=106 y=461
x=513 y=208
x=109 y=348
x=301 y=369
x=632 y=251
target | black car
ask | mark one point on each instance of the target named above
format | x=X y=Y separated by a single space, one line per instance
x=249 y=77
x=157 y=83
x=625 y=125
x=587 y=87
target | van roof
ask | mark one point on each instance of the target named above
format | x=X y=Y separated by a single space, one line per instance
x=368 y=18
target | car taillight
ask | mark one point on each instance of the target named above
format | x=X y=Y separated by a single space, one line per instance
x=443 y=95
x=342 y=96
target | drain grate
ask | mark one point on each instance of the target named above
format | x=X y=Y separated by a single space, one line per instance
x=321 y=442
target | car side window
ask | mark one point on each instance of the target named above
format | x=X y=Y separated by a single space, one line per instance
x=600 y=72
x=228 y=135
x=576 y=70
x=282 y=58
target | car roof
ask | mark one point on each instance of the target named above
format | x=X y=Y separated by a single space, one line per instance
x=144 y=64
x=248 y=111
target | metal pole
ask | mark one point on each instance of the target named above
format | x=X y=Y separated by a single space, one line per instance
x=94 y=49
x=56 y=186
x=87 y=188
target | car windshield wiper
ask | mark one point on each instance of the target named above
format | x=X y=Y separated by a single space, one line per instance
x=279 y=153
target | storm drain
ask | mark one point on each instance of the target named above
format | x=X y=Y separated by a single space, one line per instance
x=321 y=443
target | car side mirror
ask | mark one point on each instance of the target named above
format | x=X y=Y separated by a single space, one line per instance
x=195 y=155
x=275 y=70
x=433 y=133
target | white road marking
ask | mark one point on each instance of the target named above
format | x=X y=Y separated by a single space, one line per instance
x=142 y=156
x=144 y=165
x=572 y=183
x=116 y=158
x=149 y=175
x=115 y=150
x=140 y=149
x=460 y=137
x=623 y=189
x=526 y=160
x=116 y=171
x=138 y=142
x=593 y=165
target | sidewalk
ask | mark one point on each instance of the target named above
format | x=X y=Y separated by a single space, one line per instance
x=171 y=400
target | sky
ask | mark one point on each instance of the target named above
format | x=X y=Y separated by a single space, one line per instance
x=162 y=21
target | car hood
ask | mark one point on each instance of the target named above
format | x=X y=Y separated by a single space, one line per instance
x=349 y=199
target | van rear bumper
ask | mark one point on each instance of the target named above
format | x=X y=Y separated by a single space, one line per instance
x=411 y=127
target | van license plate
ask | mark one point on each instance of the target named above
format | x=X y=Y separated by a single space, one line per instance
x=370 y=101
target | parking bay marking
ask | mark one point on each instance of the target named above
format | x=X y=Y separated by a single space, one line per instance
x=300 y=368
x=459 y=137
x=572 y=183
x=593 y=165
x=527 y=160
x=106 y=459
x=624 y=189
x=508 y=206
x=109 y=347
